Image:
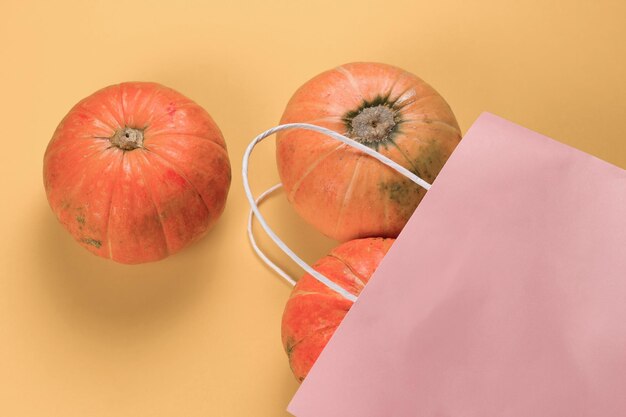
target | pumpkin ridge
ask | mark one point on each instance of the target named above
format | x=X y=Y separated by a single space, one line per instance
x=385 y=211
x=413 y=100
x=94 y=148
x=325 y=119
x=193 y=135
x=348 y=192
x=177 y=170
x=333 y=276
x=147 y=103
x=316 y=106
x=399 y=106
x=298 y=292
x=113 y=188
x=390 y=90
x=156 y=209
x=66 y=180
x=414 y=170
x=79 y=187
x=134 y=100
x=395 y=102
x=352 y=271
x=321 y=329
x=157 y=119
x=111 y=104
x=96 y=118
x=114 y=160
x=392 y=101
x=351 y=80
x=331 y=295
x=122 y=106
x=310 y=169
x=433 y=121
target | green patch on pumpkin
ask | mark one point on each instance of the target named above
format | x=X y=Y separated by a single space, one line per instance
x=92 y=242
x=405 y=194
x=402 y=192
x=430 y=160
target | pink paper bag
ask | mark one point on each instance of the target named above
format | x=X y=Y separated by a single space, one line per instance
x=504 y=296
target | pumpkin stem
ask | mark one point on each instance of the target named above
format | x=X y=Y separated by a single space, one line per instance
x=372 y=124
x=128 y=138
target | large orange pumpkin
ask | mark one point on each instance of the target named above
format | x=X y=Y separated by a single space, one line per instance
x=314 y=311
x=137 y=171
x=341 y=191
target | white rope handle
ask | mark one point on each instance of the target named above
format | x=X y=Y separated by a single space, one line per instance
x=256 y=212
x=254 y=245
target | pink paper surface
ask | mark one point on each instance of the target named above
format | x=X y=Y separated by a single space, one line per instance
x=505 y=294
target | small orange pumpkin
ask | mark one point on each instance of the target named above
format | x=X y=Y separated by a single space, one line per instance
x=314 y=311
x=136 y=171
x=341 y=191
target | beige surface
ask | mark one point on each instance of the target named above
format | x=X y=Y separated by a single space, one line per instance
x=199 y=334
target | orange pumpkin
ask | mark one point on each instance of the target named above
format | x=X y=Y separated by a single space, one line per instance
x=341 y=191
x=314 y=311
x=136 y=171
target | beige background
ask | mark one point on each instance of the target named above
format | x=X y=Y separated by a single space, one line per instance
x=199 y=334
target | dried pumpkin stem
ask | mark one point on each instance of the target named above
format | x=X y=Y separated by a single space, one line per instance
x=372 y=124
x=128 y=138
